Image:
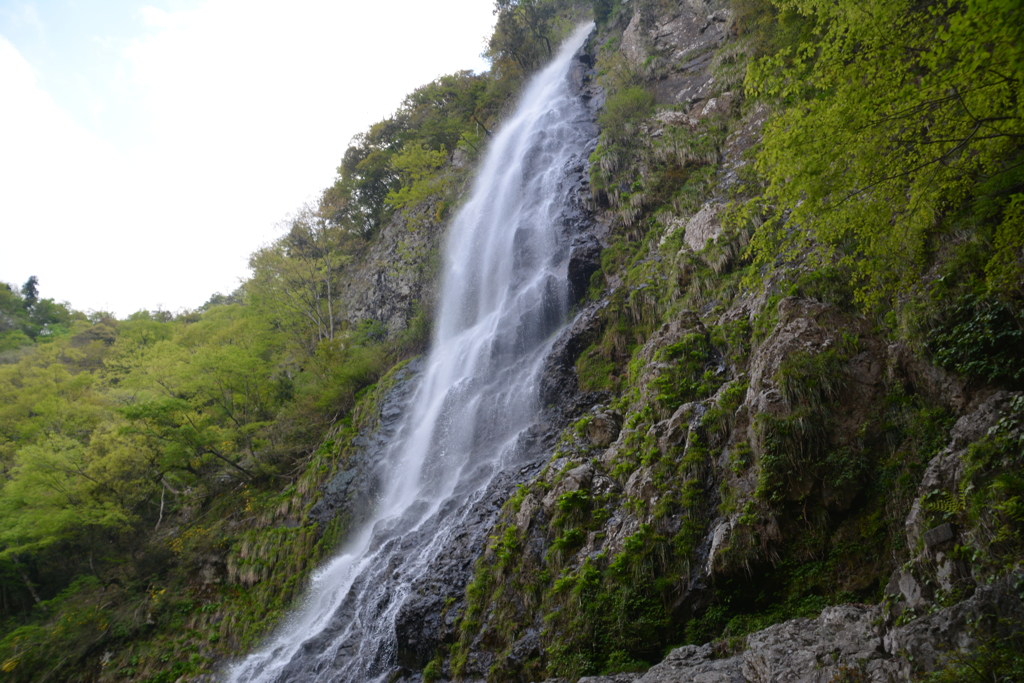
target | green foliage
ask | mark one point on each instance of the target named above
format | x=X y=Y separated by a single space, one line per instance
x=141 y=452
x=297 y=279
x=594 y=371
x=884 y=130
x=572 y=506
x=526 y=34
x=1005 y=270
x=51 y=497
x=417 y=167
x=819 y=566
x=720 y=621
x=342 y=370
x=405 y=158
x=733 y=395
x=602 y=614
x=614 y=618
x=622 y=111
x=813 y=380
x=416 y=336
x=982 y=338
x=75 y=627
x=432 y=671
x=766 y=320
x=988 y=502
x=689 y=372
x=828 y=284
x=734 y=337
x=798 y=456
x=25 y=318
x=766 y=27
x=638 y=174
x=603 y=10
x=998 y=652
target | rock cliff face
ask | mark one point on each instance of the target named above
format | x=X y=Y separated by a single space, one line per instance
x=749 y=455
x=845 y=643
x=397 y=278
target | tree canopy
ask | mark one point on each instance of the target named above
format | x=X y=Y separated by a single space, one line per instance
x=894 y=115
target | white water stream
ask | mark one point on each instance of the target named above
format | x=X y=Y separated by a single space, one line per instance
x=504 y=296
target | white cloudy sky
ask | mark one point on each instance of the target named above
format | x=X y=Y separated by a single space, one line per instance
x=147 y=147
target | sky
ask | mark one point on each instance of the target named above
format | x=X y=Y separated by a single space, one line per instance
x=147 y=148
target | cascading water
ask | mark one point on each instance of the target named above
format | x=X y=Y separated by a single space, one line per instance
x=504 y=295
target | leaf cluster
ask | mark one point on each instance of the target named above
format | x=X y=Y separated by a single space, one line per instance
x=892 y=115
x=122 y=448
x=398 y=160
x=25 y=318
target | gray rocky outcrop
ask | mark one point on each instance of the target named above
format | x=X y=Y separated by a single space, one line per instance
x=945 y=470
x=612 y=459
x=396 y=278
x=428 y=614
x=703 y=226
x=584 y=261
x=351 y=492
x=846 y=642
x=681 y=41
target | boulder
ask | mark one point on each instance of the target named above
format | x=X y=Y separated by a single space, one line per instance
x=604 y=428
x=704 y=226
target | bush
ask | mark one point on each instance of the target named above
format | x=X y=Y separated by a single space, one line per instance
x=622 y=110
x=981 y=338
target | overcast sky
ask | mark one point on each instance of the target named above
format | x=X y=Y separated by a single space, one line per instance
x=147 y=148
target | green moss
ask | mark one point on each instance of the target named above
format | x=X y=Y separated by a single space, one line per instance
x=687 y=376
x=797 y=453
x=815 y=380
x=564 y=545
x=595 y=371
x=766 y=320
x=740 y=457
x=788 y=589
x=572 y=506
x=733 y=395
x=434 y=669
x=622 y=110
x=831 y=284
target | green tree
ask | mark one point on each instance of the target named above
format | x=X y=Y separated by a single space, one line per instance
x=365 y=177
x=522 y=36
x=40 y=398
x=896 y=113
x=202 y=398
x=30 y=292
x=419 y=168
x=53 y=495
x=296 y=278
x=453 y=110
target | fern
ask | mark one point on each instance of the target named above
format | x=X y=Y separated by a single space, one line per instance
x=949 y=505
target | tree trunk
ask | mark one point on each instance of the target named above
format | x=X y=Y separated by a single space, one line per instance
x=28 y=584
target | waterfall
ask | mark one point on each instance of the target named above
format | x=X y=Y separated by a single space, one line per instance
x=504 y=295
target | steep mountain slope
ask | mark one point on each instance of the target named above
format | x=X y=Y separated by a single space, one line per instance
x=783 y=433
x=750 y=443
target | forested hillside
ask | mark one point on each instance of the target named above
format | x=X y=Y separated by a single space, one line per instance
x=804 y=357
x=793 y=381
x=158 y=469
